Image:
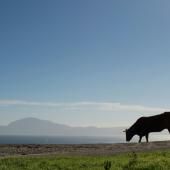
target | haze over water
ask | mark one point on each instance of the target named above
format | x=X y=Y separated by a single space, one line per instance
x=73 y=139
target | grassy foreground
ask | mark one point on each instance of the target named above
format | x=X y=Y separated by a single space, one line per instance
x=158 y=160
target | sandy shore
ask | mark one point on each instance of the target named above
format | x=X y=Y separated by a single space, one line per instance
x=83 y=149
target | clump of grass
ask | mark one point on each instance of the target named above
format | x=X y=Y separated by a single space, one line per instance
x=107 y=165
x=132 y=162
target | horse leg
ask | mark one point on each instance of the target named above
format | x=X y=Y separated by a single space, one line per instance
x=140 y=138
x=169 y=130
x=147 y=135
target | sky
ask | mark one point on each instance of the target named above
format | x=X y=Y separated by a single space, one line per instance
x=84 y=63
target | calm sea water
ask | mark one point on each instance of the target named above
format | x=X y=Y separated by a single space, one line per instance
x=58 y=140
x=72 y=140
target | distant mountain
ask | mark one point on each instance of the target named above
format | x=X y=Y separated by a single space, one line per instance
x=37 y=127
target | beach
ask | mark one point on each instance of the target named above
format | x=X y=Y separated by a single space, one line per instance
x=81 y=149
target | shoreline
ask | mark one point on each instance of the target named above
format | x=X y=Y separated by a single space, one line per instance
x=7 y=150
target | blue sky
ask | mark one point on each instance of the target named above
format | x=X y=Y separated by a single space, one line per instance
x=91 y=54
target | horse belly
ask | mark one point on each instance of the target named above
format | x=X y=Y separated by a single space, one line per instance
x=157 y=128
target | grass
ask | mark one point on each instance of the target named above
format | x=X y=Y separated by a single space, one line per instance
x=158 y=160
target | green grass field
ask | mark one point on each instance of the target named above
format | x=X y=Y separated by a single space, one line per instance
x=159 y=160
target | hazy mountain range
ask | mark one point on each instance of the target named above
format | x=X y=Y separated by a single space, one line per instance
x=34 y=126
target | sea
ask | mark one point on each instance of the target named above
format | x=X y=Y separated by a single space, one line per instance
x=11 y=139
x=8 y=139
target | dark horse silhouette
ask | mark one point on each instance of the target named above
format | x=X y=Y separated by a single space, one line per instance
x=144 y=125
